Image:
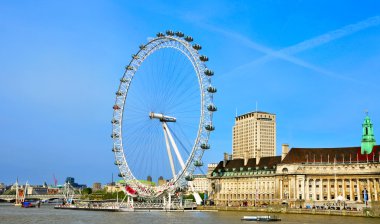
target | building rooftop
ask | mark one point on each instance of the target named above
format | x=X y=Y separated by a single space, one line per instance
x=251 y=113
x=331 y=155
x=264 y=163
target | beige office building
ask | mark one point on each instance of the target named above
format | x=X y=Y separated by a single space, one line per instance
x=254 y=134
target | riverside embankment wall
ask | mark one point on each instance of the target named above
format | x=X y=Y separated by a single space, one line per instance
x=374 y=211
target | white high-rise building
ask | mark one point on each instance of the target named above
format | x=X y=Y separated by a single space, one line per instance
x=254 y=135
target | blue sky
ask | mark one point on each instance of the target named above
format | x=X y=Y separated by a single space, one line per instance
x=315 y=64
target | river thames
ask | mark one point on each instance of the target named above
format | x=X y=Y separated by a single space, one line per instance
x=47 y=214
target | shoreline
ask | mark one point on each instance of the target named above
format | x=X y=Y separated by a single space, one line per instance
x=367 y=213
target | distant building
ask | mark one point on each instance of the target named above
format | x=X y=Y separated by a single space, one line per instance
x=54 y=190
x=71 y=181
x=200 y=183
x=115 y=187
x=210 y=168
x=96 y=186
x=254 y=134
x=36 y=190
x=149 y=178
x=2 y=188
x=161 y=181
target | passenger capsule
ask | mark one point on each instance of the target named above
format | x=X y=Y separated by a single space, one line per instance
x=209 y=72
x=211 y=107
x=117 y=163
x=114 y=135
x=198 y=163
x=114 y=121
x=203 y=58
x=197 y=47
x=211 y=89
x=205 y=146
x=124 y=80
x=189 y=178
x=116 y=107
x=135 y=56
x=142 y=47
x=119 y=93
x=160 y=34
x=189 y=39
x=121 y=175
x=116 y=149
x=209 y=127
x=129 y=67
x=179 y=34
x=169 y=33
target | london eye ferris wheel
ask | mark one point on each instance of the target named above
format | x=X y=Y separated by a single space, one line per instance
x=163 y=113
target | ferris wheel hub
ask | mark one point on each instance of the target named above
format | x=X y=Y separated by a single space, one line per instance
x=162 y=117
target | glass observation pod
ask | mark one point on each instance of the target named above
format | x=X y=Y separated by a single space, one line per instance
x=209 y=127
x=129 y=67
x=119 y=93
x=209 y=72
x=121 y=175
x=134 y=56
x=169 y=33
x=189 y=39
x=203 y=58
x=197 y=47
x=198 y=163
x=211 y=107
x=116 y=107
x=189 y=178
x=116 y=149
x=179 y=34
x=160 y=34
x=114 y=135
x=205 y=146
x=124 y=80
x=142 y=47
x=114 y=121
x=211 y=89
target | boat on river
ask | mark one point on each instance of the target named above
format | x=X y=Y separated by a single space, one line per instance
x=29 y=204
x=261 y=218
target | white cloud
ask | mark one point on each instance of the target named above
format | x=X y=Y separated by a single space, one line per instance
x=320 y=40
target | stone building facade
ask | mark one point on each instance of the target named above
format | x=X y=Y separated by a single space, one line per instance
x=200 y=183
x=310 y=177
x=302 y=177
x=247 y=182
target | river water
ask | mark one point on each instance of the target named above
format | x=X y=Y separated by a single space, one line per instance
x=47 y=214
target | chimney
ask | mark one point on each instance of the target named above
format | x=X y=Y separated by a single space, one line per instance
x=285 y=150
x=225 y=159
x=245 y=158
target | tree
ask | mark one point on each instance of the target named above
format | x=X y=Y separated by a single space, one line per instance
x=87 y=191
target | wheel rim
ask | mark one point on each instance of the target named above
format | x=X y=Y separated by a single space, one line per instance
x=121 y=114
